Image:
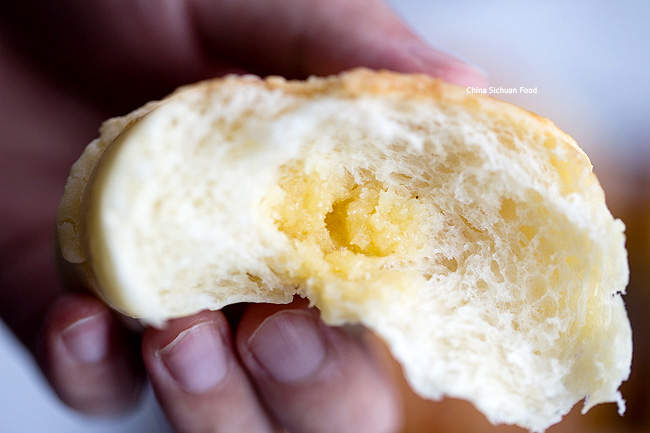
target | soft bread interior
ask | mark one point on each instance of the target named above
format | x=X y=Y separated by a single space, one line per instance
x=469 y=234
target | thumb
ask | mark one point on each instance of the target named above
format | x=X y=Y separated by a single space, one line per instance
x=298 y=38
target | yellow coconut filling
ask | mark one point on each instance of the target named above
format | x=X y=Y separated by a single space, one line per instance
x=351 y=234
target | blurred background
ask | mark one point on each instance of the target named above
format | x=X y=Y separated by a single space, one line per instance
x=590 y=63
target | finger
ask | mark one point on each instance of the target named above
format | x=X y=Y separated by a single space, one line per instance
x=298 y=38
x=88 y=359
x=139 y=52
x=197 y=379
x=314 y=378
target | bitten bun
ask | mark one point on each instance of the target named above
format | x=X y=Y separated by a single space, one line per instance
x=471 y=235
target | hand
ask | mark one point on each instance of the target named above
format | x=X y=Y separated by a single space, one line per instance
x=74 y=66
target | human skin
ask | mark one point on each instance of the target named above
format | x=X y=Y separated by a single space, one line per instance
x=65 y=67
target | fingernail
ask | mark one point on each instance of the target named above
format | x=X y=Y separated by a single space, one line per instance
x=197 y=358
x=289 y=345
x=86 y=340
x=447 y=65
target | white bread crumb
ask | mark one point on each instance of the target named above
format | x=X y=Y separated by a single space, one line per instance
x=471 y=235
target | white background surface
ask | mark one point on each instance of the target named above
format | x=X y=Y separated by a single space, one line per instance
x=591 y=64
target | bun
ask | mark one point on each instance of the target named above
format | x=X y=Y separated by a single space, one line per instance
x=471 y=235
